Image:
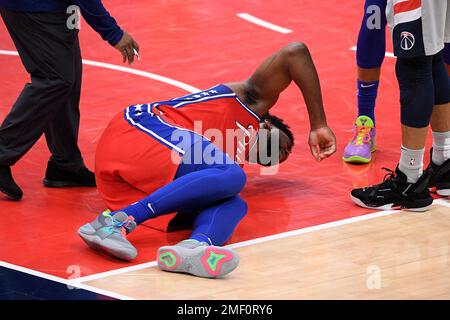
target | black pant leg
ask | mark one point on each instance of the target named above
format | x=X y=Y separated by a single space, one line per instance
x=46 y=48
x=62 y=131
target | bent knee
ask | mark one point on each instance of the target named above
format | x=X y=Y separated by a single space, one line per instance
x=237 y=177
x=296 y=48
x=242 y=206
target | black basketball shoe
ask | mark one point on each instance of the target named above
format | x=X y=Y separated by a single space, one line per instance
x=395 y=193
x=58 y=178
x=439 y=177
x=8 y=186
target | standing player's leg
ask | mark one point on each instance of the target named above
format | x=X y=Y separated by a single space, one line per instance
x=66 y=167
x=423 y=83
x=407 y=187
x=440 y=124
x=369 y=56
x=52 y=78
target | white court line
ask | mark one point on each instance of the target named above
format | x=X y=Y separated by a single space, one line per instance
x=102 y=292
x=252 y=242
x=68 y=283
x=116 y=272
x=387 y=54
x=262 y=23
x=442 y=202
x=328 y=225
x=333 y=224
x=33 y=272
x=79 y=282
x=144 y=74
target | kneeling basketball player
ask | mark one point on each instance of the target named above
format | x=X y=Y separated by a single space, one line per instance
x=154 y=160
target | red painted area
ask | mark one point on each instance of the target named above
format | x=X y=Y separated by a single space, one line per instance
x=201 y=43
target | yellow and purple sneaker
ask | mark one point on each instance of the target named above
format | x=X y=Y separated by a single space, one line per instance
x=198 y=258
x=360 y=148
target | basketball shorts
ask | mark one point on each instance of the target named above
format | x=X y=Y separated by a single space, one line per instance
x=418 y=27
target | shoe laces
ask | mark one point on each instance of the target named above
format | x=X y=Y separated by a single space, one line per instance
x=389 y=178
x=122 y=226
x=119 y=227
x=362 y=135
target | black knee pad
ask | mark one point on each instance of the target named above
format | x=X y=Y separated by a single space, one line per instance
x=447 y=53
x=440 y=80
x=415 y=79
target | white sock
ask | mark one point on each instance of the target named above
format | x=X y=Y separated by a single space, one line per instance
x=411 y=163
x=441 y=147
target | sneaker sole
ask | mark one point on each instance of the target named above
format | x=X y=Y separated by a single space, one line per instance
x=205 y=262
x=11 y=196
x=357 y=159
x=94 y=242
x=65 y=184
x=389 y=206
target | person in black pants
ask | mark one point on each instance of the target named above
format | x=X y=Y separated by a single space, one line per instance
x=47 y=42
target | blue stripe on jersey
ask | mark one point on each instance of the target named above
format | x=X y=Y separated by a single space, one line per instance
x=143 y=118
x=159 y=131
x=213 y=91
x=216 y=92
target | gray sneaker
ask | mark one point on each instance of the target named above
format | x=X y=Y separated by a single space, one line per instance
x=108 y=234
x=198 y=258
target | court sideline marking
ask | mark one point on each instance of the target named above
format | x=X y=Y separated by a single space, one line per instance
x=68 y=283
x=263 y=23
x=387 y=54
x=262 y=240
x=250 y=242
x=79 y=282
x=141 y=73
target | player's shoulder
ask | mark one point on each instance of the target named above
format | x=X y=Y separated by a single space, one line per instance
x=216 y=91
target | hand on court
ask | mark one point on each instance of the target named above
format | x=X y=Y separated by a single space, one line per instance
x=322 y=143
x=126 y=46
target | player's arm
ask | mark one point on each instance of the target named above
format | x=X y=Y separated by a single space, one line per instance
x=294 y=63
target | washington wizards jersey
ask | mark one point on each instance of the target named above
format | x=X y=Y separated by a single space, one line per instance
x=216 y=113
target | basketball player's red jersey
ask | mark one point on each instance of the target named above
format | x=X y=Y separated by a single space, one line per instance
x=135 y=155
x=217 y=114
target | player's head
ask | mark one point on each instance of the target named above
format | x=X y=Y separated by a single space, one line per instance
x=274 y=128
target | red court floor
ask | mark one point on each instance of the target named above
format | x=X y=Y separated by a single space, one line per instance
x=201 y=43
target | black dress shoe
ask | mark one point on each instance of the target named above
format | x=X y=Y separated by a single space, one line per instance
x=8 y=186
x=59 y=178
